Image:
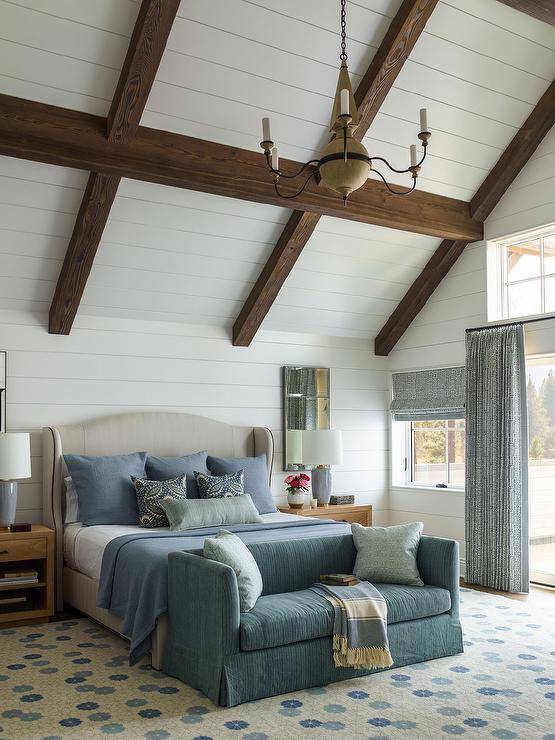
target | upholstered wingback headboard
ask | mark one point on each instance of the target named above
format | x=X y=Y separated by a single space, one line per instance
x=160 y=433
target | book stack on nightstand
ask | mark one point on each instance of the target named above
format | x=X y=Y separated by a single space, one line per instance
x=26 y=576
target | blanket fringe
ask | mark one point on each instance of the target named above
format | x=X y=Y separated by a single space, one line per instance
x=362 y=657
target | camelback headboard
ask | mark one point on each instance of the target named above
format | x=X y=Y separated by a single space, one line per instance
x=164 y=434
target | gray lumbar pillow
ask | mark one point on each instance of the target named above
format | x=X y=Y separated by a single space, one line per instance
x=210 y=512
x=229 y=549
x=388 y=554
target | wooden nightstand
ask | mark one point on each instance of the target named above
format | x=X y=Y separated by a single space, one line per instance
x=360 y=513
x=21 y=551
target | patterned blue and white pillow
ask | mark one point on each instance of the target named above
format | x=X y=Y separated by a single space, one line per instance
x=151 y=492
x=221 y=486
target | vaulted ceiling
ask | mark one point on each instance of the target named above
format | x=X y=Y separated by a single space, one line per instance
x=170 y=254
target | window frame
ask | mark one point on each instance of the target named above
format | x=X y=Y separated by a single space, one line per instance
x=502 y=279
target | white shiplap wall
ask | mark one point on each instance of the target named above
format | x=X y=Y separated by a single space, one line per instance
x=436 y=338
x=111 y=366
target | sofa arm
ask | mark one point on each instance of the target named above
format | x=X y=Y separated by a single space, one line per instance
x=203 y=608
x=438 y=565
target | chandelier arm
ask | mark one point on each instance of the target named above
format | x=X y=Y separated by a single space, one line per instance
x=400 y=172
x=290 y=177
x=395 y=192
x=289 y=197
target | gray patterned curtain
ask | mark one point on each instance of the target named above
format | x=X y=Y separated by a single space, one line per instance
x=496 y=459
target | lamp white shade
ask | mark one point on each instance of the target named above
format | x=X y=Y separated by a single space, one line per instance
x=322 y=447
x=15 y=456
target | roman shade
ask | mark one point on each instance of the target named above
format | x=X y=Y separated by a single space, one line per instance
x=426 y=395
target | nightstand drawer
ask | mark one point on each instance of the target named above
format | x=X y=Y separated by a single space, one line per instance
x=23 y=549
x=360 y=517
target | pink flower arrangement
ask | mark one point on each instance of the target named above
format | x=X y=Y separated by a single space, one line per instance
x=297 y=483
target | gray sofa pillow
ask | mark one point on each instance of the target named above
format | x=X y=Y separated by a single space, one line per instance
x=210 y=512
x=388 y=554
x=229 y=549
x=104 y=489
x=256 y=478
x=164 y=468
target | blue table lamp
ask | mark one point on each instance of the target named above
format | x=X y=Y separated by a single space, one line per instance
x=15 y=464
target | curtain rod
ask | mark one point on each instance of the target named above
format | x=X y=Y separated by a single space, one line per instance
x=512 y=323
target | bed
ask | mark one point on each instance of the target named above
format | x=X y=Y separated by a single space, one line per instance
x=80 y=550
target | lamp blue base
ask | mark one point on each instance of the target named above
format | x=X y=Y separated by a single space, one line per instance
x=321 y=485
x=8 y=502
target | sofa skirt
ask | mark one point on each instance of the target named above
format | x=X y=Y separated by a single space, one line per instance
x=261 y=673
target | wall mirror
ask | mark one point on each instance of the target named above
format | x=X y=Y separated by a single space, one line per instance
x=3 y=373
x=306 y=406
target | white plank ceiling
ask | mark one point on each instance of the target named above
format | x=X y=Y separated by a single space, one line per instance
x=175 y=255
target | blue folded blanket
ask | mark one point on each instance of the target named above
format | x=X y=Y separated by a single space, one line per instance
x=134 y=573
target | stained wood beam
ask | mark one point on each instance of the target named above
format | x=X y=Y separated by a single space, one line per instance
x=401 y=36
x=515 y=156
x=31 y=130
x=488 y=195
x=543 y=10
x=144 y=54
x=90 y=222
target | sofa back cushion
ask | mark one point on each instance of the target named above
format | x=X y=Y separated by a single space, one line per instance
x=291 y=565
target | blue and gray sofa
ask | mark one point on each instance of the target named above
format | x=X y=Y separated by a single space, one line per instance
x=284 y=644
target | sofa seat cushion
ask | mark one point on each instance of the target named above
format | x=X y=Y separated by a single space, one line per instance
x=413 y=602
x=280 y=619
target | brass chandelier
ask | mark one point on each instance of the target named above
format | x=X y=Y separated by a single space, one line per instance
x=345 y=164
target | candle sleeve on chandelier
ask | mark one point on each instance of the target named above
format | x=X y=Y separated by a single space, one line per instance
x=344 y=103
x=413 y=160
x=275 y=159
x=266 y=130
x=423 y=119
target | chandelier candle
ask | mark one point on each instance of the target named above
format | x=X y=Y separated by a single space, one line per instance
x=423 y=119
x=266 y=129
x=345 y=164
x=345 y=96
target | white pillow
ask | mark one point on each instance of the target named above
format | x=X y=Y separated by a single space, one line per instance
x=72 y=503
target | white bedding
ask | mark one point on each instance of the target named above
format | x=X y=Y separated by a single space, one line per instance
x=84 y=546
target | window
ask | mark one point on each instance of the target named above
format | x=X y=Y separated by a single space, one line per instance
x=437 y=452
x=541 y=467
x=526 y=280
x=429 y=453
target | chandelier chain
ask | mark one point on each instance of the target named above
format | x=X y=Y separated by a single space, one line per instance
x=343 y=55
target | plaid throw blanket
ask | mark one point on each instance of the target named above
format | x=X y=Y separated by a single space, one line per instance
x=360 y=625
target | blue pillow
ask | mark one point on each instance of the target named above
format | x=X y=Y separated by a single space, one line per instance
x=165 y=468
x=104 y=489
x=256 y=478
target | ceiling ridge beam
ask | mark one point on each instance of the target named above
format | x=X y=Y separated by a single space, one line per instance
x=44 y=133
x=148 y=41
x=488 y=195
x=402 y=34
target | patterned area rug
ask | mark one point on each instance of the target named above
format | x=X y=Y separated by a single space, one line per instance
x=72 y=680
